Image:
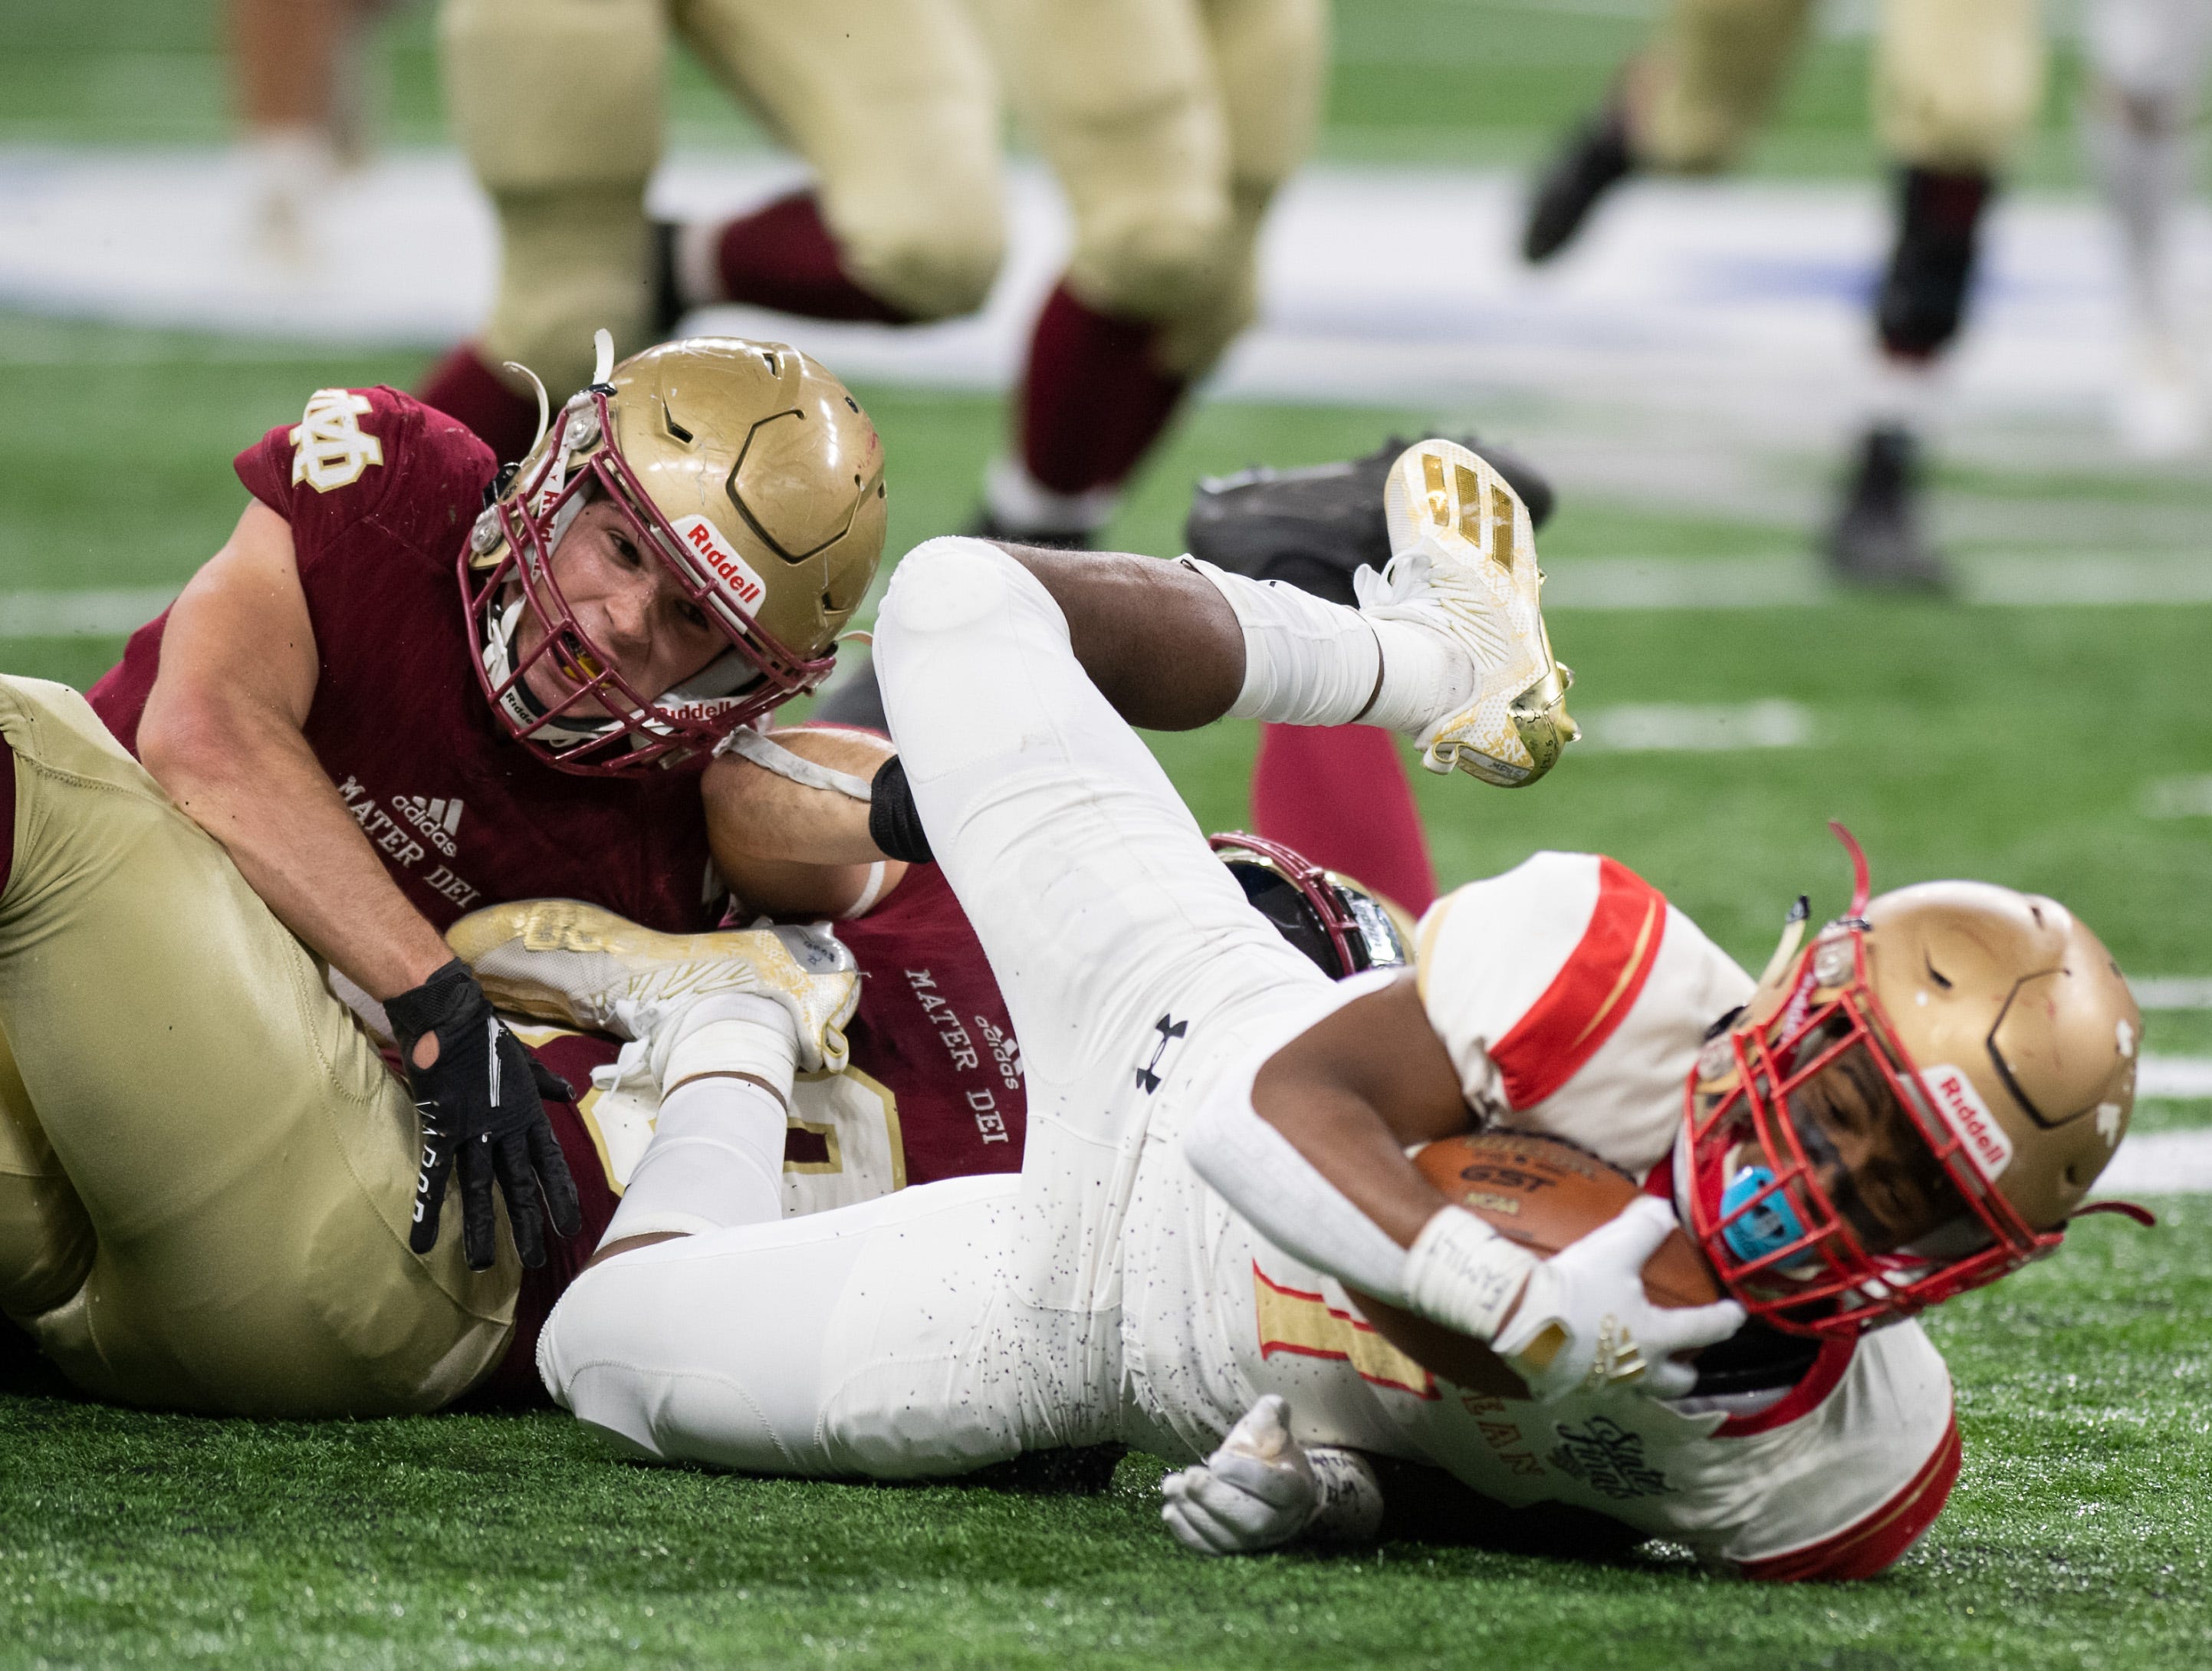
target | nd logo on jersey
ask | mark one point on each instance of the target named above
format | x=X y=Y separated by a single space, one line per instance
x=329 y=449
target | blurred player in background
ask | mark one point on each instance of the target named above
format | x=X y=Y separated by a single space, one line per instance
x=559 y=106
x=1956 y=84
x=1170 y=124
x=306 y=97
x=2147 y=62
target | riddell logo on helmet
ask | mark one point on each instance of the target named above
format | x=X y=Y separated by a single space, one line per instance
x=1965 y=1113
x=705 y=541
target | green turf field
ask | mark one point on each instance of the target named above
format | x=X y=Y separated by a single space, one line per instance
x=2015 y=744
x=2023 y=745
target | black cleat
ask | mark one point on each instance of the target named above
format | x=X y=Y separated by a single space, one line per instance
x=1876 y=540
x=1591 y=162
x=1312 y=528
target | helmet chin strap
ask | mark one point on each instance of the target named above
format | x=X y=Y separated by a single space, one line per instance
x=544 y=406
x=519 y=701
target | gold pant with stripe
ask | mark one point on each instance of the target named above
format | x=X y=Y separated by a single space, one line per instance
x=1956 y=82
x=206 y=1174
x=1170 y=124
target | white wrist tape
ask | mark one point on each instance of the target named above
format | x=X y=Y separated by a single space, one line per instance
x=1463 y=1274
x=1280 y=1193
x=1348 y=1508
x=735 y=1032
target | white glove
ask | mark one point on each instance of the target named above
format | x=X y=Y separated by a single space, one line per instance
x=1584 y=1321
x=1260 y=1488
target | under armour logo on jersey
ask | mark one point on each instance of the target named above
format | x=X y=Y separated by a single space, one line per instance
x=329 y=449
x=1169 y=1030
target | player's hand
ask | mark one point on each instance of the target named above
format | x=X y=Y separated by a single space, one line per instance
x=479 y=1098
x=1584 y=1321
x=1261 y=1488
x=1255 y=1491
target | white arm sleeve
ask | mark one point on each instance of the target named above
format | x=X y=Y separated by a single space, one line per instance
x=1284 y=1196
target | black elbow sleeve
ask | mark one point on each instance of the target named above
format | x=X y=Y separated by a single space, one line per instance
x=894 y=825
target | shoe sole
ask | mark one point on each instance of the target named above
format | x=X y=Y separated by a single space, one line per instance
x=518 y=950
x=1466 y=510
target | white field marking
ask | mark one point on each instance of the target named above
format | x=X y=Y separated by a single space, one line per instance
x=2177 y=798
x=1782 y=581
x=2173 y=992
x=1687 y=300
x=2175 y=1078
x=1695 y=728
x=2160 y=1163
x=94 y=614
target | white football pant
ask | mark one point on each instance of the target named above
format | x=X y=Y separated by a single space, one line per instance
x=957 y=1324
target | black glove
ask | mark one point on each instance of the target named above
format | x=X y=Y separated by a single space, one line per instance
x=1312 y=528
x=480 y=1107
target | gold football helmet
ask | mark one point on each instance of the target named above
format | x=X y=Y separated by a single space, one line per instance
x=752 y=474
x=1911 y=1106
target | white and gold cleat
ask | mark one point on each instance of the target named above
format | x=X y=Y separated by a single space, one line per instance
x=562 y=960
x=1463 y=563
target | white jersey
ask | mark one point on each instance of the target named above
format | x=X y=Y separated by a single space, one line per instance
x=1572 y=999
x=1106 y=1292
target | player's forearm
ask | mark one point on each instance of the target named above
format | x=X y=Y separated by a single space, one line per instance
x=253 y=784
x=792 y=846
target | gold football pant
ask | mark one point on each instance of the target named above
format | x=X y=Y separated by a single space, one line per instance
x=559 y=106
x=206 y=1174
x=1171 y=124
x=1956 y=82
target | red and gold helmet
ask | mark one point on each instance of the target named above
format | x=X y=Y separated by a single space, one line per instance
x=754 y=477
x=1911 y=1106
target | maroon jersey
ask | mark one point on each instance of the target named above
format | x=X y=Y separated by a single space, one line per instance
x=380 y=491
x=379 y=497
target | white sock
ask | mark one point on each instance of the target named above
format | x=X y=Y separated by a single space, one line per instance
x=716 y=1159
x=698 y=262
x=1310 y=662
x=1020 y=503
x=716 y=1156
x=1905 y=393
x=2143 y=170
x=1426 y=677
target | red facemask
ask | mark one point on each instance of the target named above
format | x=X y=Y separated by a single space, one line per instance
x=1758 y=1207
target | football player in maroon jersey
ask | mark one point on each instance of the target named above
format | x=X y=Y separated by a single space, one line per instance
x=212 y=1187
x=673 y=560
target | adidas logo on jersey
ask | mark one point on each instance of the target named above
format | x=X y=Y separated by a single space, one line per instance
x=439 y=820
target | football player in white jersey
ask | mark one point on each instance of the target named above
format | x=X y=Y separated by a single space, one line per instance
x=1218 y=1149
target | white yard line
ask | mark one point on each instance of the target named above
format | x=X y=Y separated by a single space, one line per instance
x=2175 y=1078
x=1735 y=306
x=1695 y=728
x=2173 y=992
x=2160 y=1163
x=2008 y=579
x=109 y=613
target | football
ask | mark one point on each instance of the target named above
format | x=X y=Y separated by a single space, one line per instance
x=1546 y=1194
